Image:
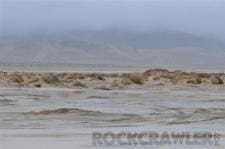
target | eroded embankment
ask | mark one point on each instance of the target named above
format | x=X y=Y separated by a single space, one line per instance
x=107 y=81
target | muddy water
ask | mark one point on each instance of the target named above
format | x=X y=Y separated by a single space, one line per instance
x=65 y=118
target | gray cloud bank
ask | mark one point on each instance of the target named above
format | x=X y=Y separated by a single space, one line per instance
x=203 y=17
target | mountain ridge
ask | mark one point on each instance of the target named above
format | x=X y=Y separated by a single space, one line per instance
x=115 y=46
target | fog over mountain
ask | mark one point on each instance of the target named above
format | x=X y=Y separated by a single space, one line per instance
x=114 y=47
x=200 y=17
x=163 y=32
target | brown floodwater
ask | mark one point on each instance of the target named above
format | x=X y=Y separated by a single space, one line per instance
x=60 y=117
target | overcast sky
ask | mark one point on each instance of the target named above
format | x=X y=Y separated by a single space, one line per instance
x=204 y=17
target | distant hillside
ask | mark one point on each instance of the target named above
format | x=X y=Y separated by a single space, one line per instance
x=114 y=46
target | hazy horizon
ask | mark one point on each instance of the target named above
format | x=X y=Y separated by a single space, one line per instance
x=169 y=33
x=203 y=18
